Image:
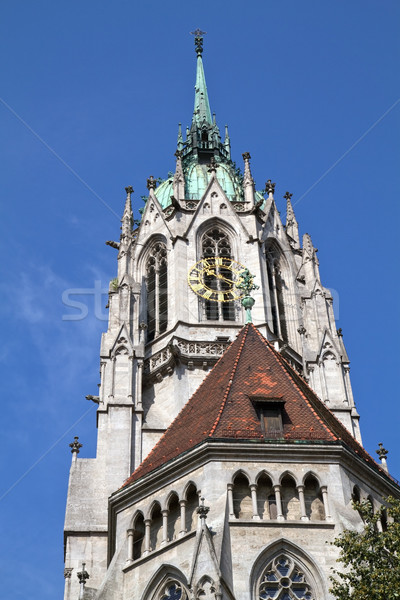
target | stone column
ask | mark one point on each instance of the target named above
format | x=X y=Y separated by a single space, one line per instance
x=253 y=490
x=324 y=491
x=279 y=515
x=164 y=527
x=130 y=545
x=147 y=524
x=182 y=504
x=230 y=501
x=303 y=513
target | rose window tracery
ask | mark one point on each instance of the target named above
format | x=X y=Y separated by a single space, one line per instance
x=284 y=580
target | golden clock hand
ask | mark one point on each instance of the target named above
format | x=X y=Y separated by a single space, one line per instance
x=218 y=276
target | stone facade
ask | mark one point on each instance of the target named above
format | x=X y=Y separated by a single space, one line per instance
x=265 y=506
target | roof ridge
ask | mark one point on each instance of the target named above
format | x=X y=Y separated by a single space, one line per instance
x=235 y=364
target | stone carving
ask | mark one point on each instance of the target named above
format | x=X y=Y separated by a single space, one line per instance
x=179 y=349
x=191 y=204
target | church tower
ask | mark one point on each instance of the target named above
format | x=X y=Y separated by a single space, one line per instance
x=229 y=447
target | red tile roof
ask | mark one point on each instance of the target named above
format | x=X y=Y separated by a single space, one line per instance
x=223 y=406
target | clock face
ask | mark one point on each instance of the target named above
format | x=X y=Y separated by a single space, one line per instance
x=215 y=277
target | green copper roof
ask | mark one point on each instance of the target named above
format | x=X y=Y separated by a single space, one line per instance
x=164 y=192
x=202 y=112
x=197 y=178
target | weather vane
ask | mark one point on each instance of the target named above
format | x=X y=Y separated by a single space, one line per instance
x=198 y=40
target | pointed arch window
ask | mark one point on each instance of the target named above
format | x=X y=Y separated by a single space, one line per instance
x=215 y=242
x=157 y=291
x=284 y=580
x=277 y=286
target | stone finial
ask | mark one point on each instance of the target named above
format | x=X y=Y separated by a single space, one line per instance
x=270 y=188
x=151 y=183
x=82 y=577
x=198 y=40
x=202 y=511
x=288 y=196
x=129 y=190
x=75 y=445
x=382 y=453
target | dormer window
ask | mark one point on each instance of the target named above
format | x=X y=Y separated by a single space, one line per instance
x=270 y=413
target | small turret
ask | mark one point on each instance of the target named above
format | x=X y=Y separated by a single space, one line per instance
x=292 y=227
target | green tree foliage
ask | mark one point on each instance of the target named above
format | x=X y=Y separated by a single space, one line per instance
x=371 y=558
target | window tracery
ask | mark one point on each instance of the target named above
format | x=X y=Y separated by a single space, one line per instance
x=284 y=580
x=173 y=590
x=216 y=243
x=157 y=291
x=277 y=289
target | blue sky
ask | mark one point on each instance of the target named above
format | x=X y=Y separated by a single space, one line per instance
x=91 y=96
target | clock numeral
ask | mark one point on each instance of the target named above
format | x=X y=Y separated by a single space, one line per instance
x=193 y=277
x=221 y=297
x=234 y=294
x=197 y=287
x=207 y=295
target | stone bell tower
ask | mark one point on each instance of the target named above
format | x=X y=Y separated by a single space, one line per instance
x=174 y=309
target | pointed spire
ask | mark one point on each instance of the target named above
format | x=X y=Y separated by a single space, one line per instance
x=227 y=142
x=310 y=260
x=202 y=112
x=180 y=138
x=292 y=227
x=127 y=217
x=248 y=181
x=179 y=179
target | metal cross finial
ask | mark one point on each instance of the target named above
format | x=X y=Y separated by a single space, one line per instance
x=287 y=196
x=198 y=40
x=246 y=283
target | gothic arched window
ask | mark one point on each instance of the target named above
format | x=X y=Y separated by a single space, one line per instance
x=173 y=590
x=157 y=291
x=284 y=580
x=216 y=243
x=277 y=286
